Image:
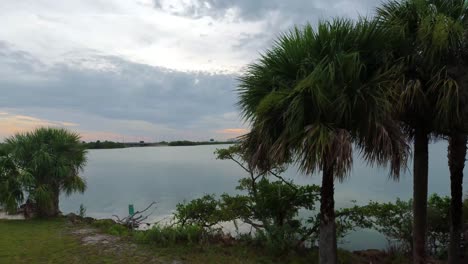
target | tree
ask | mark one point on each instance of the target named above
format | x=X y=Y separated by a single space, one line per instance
x=430 y=39
x=313 y=97
x=53 y=158
x=12 y=181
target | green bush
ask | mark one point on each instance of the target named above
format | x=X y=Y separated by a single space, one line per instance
x=165 y=236
x=394 y=220
x=204 y=212
x=118 y=230
x=110 y=227
x=104 y=223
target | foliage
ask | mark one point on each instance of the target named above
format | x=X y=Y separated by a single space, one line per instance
x=271 y=207
x=103 y=145
x=171 y=235
x=13 y=182
x=109 y=226
x=103 y=223
x=465 y=210
x=316 y=92
x=429 y=37
x=118 y=230
x=197 y=143
x=44 y=163
x=82 y=211
x=316 y=95
x=394 y=220
x=204 y=212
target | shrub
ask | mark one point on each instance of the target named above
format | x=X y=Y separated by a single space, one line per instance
x=165 y=236
x=110 y=227
x=394 y=220
x=118 y=230
x=82 y=211
x=204 y=212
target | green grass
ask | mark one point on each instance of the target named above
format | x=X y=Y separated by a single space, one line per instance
x=41 y=241
x=49 y=241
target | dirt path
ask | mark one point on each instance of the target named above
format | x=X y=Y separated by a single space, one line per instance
x=116 y=246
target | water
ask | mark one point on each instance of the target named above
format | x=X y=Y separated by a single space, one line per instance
x=169 y=175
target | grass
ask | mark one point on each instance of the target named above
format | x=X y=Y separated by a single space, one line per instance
x=51 y=241
x=37 y=241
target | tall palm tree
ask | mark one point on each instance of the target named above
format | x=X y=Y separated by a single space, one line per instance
x=456 y=157
x=430 y=37
x=314 y=96
x=53 y=157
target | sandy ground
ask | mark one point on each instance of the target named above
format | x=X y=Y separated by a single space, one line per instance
x=3 y=215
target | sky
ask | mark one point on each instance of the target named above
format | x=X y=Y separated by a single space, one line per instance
x=131 y=70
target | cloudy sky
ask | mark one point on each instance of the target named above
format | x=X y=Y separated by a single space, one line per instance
x=139 y=69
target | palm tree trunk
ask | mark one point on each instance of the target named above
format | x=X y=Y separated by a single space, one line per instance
x=51 y=207
x=55 y=211
x=327 y=239
x=456 y=160
x=420 y=181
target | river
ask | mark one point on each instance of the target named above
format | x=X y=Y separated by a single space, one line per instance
x=170 y=175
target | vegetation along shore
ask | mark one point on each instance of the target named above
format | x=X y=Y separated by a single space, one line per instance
x=111 y=144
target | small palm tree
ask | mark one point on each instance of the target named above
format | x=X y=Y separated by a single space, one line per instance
x=12 y=181
x=313 y=97
x=430 y=37
x=53 y=157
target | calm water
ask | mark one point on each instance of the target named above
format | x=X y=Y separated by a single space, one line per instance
x=170 y=175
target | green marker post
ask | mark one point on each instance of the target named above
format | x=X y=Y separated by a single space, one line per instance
x=131 y=209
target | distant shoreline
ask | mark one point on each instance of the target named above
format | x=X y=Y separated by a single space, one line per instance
x=118 y=145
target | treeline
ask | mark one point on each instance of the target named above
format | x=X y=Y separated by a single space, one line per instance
x=197 y=143
x=112 y=145
x=103 y=145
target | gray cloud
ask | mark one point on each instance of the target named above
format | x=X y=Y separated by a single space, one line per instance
x=118 y=90
x=277 y=15
x=89 y=63
x=298 y=10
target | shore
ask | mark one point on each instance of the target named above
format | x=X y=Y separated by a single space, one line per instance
x=85 y=240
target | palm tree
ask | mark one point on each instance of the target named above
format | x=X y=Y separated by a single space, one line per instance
x=456 y=157
x=11 y=182
x=430 y=37
x=53 y=157
x=313 y=97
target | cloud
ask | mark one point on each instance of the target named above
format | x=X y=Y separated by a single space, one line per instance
x=153 y=69
x=122 y=99
x=132 y=30
x=234 y=131
x=177 y=34
x=11 y=124
x=298 y=11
